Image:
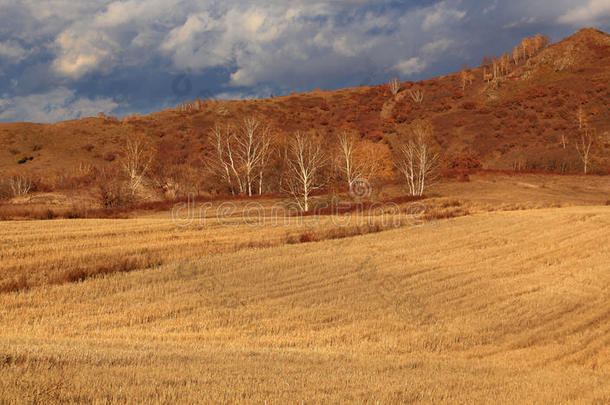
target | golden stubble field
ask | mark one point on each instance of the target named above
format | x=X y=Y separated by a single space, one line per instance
x=502 y=306
x=34 y=253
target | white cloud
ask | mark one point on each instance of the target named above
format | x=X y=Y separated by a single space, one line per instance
x=192 y=45
x=436 y=47
x=520 y=23
x=78 y=54
x=491 y=7
x=254 y=20
x=12 y=53
x=242 y=78
x=62 y=10
x=589 y=14
x=410 y=66
x=257 y=41
x=56 y=105
x=113 y=34
x=429 y=53
x=440 y=14
x=118 y=13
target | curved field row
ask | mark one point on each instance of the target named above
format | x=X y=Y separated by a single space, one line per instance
x=505 y=308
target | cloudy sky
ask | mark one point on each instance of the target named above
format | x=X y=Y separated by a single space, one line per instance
x=65 y=59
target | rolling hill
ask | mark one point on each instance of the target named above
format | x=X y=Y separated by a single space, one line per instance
x=515 y=122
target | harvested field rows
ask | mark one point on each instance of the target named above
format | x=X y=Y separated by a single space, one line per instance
x=507 y=307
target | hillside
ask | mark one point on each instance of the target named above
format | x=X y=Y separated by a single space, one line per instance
x=517 y=122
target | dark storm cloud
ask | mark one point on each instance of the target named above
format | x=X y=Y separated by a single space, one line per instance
x=61 y=59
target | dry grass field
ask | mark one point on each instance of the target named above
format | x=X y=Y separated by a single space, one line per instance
x=264 y=250
x=34 y=253
x=507 y=302
x=504 y=307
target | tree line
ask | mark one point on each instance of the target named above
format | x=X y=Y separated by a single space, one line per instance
x=251 y=158
x=495 y=67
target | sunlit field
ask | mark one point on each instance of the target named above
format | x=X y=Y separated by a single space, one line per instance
x=34 y=253
x=297 y=202
x=506 y=305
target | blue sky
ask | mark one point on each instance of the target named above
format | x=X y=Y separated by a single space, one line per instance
x=66 y=59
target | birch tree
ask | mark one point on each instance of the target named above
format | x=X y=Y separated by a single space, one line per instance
x=417 y=95
x=584 y=145
x=505 y=63
x=252 y=146
x=354 y=161
x=416 y=160
x=495 y=66
x=138 y=156
x=516 y=55
x=304 y=166
x=581 y=117
x=242 y=154
x=19 y=186
x=223 y=162
x=525 y=48
x=586 y=140
x=394 y=86
x=347 y=145
x=466 y=76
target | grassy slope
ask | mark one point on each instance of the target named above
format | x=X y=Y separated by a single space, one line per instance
x=506 y=307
